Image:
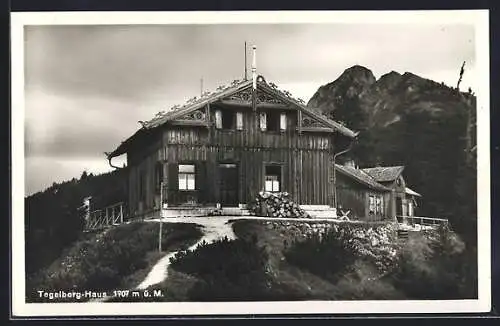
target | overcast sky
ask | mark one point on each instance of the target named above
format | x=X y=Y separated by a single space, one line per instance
x=87 y=86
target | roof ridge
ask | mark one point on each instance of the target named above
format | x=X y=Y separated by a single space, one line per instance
x=351 y=172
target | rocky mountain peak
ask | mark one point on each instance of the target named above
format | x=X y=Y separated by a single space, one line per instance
x=351 y=84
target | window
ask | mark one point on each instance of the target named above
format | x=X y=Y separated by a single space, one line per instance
x=273 y=178
x=379 y=205
x=225 y=119
x=186 y=177
x=376 y=204
x=273 y=121
x=371 y=206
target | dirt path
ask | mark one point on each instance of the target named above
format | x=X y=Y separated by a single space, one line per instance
x=214 y=228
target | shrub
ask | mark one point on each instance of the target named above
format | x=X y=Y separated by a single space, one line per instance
x=226 y=270
x=434 y=265
x=331 y=254
x=325 y=255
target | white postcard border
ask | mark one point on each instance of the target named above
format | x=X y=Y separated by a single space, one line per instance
x=478 y=18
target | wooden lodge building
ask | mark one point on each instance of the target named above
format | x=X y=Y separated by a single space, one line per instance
x=221 y=149
x=225 y=147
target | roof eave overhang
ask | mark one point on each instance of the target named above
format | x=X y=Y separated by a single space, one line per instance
x=346 y=173
x=335 y=125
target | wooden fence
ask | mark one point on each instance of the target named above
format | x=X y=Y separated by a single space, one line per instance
x=110 y=215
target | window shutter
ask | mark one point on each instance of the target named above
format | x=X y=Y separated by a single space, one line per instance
x=263 y=121
x=239 y=120
x=158 y=175
x=283 y=121
x=173 y=182
x=199 y=182
x=218 y=119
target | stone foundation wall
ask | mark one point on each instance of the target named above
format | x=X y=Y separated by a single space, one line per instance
x=300 y=230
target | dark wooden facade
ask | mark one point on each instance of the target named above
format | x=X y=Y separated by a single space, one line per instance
x=230 y=161
x=363 y=202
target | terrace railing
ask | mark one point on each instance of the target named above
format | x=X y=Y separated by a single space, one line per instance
x=420 y=220
x=110 y=215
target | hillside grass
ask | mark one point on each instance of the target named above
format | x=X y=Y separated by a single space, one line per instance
x=263 y=264
x=117 y=258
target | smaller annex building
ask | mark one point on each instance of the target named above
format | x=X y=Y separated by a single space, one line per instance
x=375 y=193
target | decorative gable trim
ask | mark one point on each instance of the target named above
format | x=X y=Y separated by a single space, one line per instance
x=264 y=100
x=194 y=118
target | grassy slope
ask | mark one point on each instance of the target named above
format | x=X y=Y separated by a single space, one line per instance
x=127 y=253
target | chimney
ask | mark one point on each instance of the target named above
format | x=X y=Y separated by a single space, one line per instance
x=254 y=67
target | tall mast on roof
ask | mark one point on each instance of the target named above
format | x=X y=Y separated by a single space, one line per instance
x=246 y=75
x=254 y=67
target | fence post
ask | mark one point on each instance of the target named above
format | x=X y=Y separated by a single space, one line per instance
x=121 y=213
x=161 y=215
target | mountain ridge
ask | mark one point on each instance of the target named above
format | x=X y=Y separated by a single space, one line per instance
x=405 y=119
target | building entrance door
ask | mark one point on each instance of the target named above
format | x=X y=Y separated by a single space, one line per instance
x=228 y=184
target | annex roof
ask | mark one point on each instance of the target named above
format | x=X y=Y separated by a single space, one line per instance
x=384 y=173
x=220 y=93
x=361 y=177
x=409 y=191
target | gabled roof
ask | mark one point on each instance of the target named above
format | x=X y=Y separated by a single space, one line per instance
x=236 y=86
x=361 y=177
x=197 y=103
x=412 y=192
x=222 y=92
x=384 y=173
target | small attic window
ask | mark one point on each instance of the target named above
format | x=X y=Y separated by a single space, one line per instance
x=225 y=119
x=273 y=121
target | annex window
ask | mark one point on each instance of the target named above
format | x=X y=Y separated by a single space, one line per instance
x=273 y=178
x=371 y=206
x=379 y=202
x=376 y=204
x=186 y=177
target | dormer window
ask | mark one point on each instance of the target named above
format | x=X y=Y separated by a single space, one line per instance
x=228 y=119
x=273 y=121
